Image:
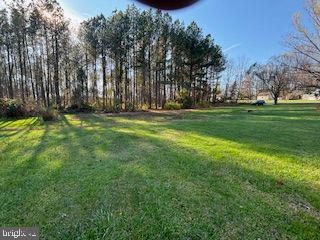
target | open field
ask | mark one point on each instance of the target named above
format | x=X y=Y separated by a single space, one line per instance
x=224 y=173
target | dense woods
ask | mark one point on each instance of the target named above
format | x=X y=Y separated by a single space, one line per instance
x=137 y=59
x=132 y=59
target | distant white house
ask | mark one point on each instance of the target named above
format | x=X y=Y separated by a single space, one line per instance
x=311 y=96
x=265 y=95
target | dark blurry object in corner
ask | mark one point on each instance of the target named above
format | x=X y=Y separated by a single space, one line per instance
x=168 y=4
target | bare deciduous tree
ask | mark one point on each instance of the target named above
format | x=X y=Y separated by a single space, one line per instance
x=275 y=78
x=305 y=44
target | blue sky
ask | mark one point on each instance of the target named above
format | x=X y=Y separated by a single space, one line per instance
x=251 y=28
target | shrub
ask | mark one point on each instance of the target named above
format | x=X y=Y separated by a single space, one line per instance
x=32 y=109
x=112 y=109
x=185 y=100
x=86 y=108
x=117 y=107
x=171 y=105
x=144 y=107
x=203 y=104
x=14 y=109
x=3 y=107
x=49 y=115
x=73 y=107
x=130 y=107
x=83 y=108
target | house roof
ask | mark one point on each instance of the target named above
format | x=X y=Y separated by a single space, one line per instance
x=263 y=93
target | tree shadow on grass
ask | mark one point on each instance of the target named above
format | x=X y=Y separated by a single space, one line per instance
x=20 y=179
x=126 y=182
x=5 y=123
x=183 y=179
x=285 y=150
x=26 y=125
x=287 y=137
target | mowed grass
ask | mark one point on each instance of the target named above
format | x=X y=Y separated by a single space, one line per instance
x=224 y=173
x=284 y=101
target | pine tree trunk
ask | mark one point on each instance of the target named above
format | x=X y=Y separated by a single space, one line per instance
x=104 y=76
x=56 y=71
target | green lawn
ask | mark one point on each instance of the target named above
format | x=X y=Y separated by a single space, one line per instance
x=224 y=173
x=284 y=101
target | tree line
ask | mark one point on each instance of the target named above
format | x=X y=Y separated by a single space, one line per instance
x=125 y=61
x=295 y=70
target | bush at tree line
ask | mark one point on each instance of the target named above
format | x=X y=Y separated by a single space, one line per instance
x=12 y=108
x=185 y=100
x=171 y=105
x=49 y=115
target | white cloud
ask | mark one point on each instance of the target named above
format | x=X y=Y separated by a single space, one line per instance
x=232 y=47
